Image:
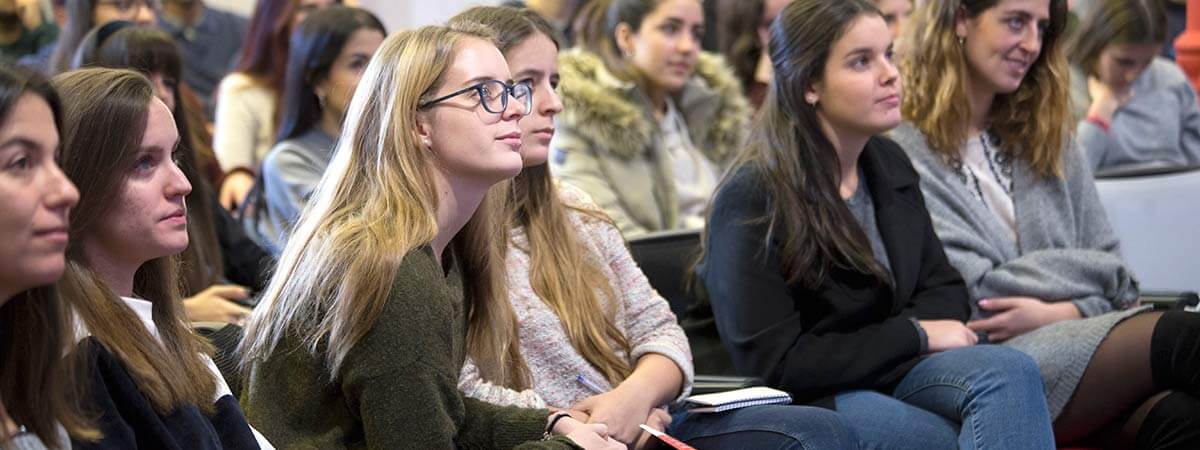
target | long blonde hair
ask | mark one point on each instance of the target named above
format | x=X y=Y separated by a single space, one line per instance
x=376 y=203
x=1031 y=122
x=560 y=274
x=104 y=116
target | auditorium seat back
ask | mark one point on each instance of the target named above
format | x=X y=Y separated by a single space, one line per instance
x=1156 y=214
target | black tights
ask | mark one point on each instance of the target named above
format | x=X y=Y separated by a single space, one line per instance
x=1142 y=387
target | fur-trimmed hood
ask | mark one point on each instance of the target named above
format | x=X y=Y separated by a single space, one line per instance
x=601 y=108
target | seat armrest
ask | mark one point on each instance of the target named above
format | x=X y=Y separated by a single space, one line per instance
x=1170 y=299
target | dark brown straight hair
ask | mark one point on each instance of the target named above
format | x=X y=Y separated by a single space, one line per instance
x=788 y=146
x=105 y=112
x=737 y=37
x=1116 y=22
x=152 y=51
x=39 y=387
x=266 y=45
x=599 y=35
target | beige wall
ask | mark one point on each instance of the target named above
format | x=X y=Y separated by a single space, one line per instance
x=396 y=14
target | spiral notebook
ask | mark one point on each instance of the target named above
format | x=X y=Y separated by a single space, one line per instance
x=738 y=398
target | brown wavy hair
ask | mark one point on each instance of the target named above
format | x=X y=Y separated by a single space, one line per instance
x=737 y=37
x=105 y=112
x=560 y=273
x=39 y=387
x=800 y=165
x=1031 y=123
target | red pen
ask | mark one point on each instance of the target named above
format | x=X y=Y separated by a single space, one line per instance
x=670 y=440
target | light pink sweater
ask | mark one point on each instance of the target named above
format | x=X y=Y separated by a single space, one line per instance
x=644 y=317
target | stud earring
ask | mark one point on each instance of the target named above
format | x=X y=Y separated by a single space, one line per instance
x=961 y=40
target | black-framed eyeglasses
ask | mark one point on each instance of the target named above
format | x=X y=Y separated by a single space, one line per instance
x=493 y=95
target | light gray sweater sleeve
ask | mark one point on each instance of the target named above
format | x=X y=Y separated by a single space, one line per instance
x=1093 y=141
x=1189 y=132
x=289 y=179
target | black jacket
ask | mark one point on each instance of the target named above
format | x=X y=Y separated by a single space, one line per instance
x=246 y=263
x=851 y=333
x=127 y=419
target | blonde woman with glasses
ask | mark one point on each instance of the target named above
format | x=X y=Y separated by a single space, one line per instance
x=392 y=276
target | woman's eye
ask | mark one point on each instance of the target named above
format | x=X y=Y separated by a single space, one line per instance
x=21 y=163
x=1016 y=23
x=143 y=164
x=670 y=28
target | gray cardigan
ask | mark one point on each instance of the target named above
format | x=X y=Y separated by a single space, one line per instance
x=1066 y=248
x=289 y=175
x=1065 y=251
x=1159 y=127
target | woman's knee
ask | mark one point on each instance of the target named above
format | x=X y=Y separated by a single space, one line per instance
x=997 y=362
x=772 y=426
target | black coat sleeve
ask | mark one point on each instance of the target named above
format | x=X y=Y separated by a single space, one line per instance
x=760 y=319
x=246 y=263
x=940 y=292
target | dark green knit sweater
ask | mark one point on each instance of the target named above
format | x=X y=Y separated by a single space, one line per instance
x=397 y=388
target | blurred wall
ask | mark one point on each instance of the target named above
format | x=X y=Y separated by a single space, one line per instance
x=396 y=14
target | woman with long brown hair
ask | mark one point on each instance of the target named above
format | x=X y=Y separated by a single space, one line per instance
x=1015 y=206
x=573 y=281
x=36 y=385
x=248 y=98
x=824 y=272
x=150 y=380
x=392 y=276
x=329 y=52
x=221 y=264
x=651 y=121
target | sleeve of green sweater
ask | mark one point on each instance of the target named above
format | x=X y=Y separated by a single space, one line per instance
x=401 y=381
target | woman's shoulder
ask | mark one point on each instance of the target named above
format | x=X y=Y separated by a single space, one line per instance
x=1165 y=73
x=745 y=188
x=913 y=143
x=242 y=84
x=599 y=107
x=415 y=272
x=302 y=150
x=576 y=198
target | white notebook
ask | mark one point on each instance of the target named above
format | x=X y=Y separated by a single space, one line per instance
x=738 y=398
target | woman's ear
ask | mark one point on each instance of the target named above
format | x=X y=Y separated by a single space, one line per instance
x=624 y=37
x=423 y=131
x=812 y=93
x=321 y=90
x=961 y=22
